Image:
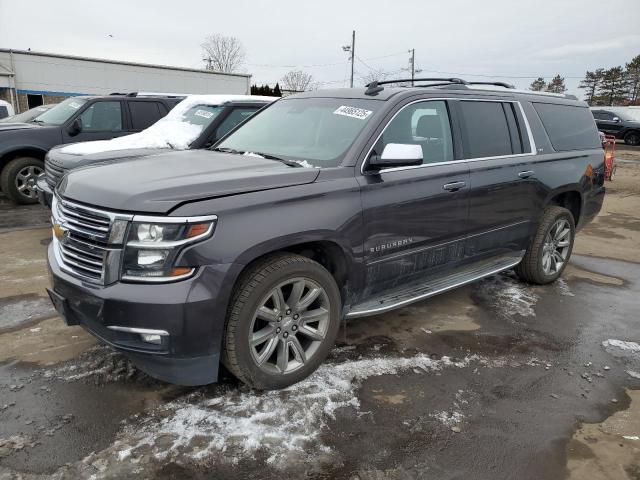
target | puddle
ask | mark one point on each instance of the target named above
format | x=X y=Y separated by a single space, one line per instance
x=573 y=272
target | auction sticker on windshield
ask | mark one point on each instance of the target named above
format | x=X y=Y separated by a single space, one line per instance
x=203 y=113
x=353 y=112
x=75 y=105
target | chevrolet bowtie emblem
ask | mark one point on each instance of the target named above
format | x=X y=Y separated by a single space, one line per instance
x=60 y=232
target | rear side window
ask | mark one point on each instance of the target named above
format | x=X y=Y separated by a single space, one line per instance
x=487 y=130
x=568 y=127
x=144 y=114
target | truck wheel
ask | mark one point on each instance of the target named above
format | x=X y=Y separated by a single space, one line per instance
x=282 y=321
x=19 y=177
x=632 y=138
x=550 y=249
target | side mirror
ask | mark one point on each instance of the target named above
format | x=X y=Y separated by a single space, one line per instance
x=616 y=119
x=76 y=127
x=397 y=155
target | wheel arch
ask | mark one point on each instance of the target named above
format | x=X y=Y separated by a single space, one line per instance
x=29 y=151
x=334 y=254
x=570 y=198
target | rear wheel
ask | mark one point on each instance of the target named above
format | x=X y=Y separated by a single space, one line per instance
x=19 y=177
x=282 y=321
x=632 y=138
x=550 y=249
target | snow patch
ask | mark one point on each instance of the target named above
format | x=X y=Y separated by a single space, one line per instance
x=633 y=374
x=563 y=287
x=286 y=423
x=508 y=295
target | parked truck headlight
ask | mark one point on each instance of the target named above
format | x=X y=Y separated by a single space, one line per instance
x=152 y=247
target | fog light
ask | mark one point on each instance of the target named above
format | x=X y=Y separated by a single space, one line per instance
x=151 y=338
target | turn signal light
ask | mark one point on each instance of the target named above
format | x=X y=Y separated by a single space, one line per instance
x=178 y=271
x=197 y=229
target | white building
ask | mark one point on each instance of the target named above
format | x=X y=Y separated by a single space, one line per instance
x=29 y=79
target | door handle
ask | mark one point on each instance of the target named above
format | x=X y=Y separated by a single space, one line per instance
x=526 y=174
x=454 y=186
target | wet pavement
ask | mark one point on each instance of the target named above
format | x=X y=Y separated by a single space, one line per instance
x=498 y=379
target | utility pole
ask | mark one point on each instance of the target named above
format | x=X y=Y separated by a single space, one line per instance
x=353 y=53
x=413 y=64
x=352 y=49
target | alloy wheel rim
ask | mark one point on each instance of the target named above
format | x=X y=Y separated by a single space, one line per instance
x=556 y=247
x=26 y=181
x=289 y=326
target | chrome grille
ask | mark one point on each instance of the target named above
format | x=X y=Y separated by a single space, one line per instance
x=53 y=172
x=87 y=240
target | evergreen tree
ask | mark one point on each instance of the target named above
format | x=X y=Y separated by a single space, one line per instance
x=538 y=84
x=556 y=85
x=591 y=83
x=614 y=87
x=632 y=72
x=276 y=91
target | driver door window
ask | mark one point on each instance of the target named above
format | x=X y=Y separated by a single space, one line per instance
x=102 y=117
x=425 y=124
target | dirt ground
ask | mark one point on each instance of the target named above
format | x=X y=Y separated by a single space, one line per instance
x=494 y=380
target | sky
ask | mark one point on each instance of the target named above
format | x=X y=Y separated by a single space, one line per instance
x=506 y=40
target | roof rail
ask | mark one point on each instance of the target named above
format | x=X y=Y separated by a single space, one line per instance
x=151 y=94
x=374 y=88
x=497 y=84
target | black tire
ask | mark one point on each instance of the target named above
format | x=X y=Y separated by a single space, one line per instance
x=530 y=269
x=253 y=287
x=9 y=181
x=632 y=138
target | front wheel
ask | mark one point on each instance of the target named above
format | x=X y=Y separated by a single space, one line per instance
x=282 y=321
x=550 y=248
x=19 y=177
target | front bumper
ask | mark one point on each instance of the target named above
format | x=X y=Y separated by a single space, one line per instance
x=45 y=194
x=192 y=313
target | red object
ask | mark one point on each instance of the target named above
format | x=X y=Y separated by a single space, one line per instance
x=609 y=144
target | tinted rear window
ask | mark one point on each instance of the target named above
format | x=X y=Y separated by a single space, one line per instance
x=144 y=114
x=568 y=127
x=487 y=129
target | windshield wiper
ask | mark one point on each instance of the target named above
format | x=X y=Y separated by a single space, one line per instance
x=268 y=156
x=39 y=122
x=227 y=150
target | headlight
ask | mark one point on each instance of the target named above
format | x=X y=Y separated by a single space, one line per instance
x=152 y=246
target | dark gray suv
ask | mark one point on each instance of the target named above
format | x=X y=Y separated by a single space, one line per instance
x=325 y=205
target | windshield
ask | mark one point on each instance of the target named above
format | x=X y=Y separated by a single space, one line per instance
x=61 y=112
x=312 y=131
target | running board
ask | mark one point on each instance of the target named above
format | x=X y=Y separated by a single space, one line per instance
x=415 y=292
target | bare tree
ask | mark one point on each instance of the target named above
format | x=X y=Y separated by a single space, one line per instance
x=374 y=76
x=222 y=53
x=297 y=81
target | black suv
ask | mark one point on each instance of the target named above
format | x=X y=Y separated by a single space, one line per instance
x=621 y=125
x=77 y=119
x=197 y=122
x=325 y=205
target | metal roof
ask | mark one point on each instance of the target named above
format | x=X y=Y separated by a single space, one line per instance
x=119 y=62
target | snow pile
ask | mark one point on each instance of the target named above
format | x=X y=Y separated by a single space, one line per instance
x=508 y=295
x=631 y=347
x=171 y=131
x=286 y=423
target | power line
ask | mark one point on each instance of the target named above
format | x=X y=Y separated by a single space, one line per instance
x=321 y=64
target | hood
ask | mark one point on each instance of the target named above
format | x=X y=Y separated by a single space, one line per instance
x=59 y=157
x=17 y=126
x=159 y=183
